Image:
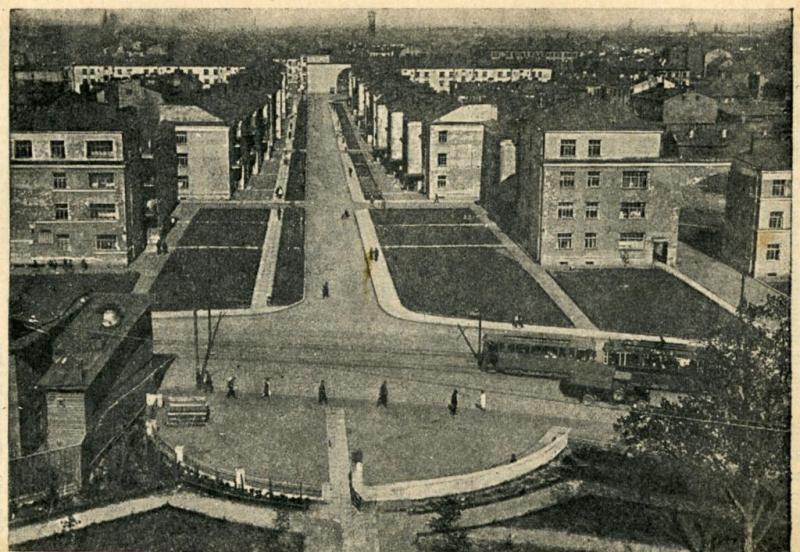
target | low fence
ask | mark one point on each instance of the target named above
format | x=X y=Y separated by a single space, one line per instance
x=230 y=483
x=550 y=446
x=35 y=476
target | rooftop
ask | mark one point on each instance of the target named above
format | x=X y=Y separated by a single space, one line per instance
x=473 y=113
x=769 y=155
x=71 y=112
x=186 y=114
x=585 y=114
x=82 y=351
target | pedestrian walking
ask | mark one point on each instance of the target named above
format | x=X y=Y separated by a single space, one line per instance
x=158 y=247
x=377 y=254
x=482 y=401
x=231 y=394
x=326 y=290
x=322 y=394
x=350 y=171
x=383 y=395
x=453 y=406
x=164 y=248
x=436 y=198
x=266 y=390
x=207 y=383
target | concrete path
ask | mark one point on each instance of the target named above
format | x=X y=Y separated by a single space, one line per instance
x=262 y=290
x=542 y=277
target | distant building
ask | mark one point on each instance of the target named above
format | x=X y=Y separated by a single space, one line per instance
x=758 y=211
x=79 y=75
x=675 y=106
x=39 y=75
x=461 y=150
x=440 y=79
x=371 y=23
x=595 y=190
x=77 y=177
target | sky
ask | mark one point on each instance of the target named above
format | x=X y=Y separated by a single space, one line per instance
x=670 y=19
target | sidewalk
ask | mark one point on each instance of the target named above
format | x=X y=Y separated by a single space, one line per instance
x=562 y=540
x=262 y=290
x=389 y=301
x=545 y=281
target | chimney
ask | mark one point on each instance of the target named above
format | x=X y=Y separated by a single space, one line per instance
x=508 y=159
x=691 y=133
x=724 y=133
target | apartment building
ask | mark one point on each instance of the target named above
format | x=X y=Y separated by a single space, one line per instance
x=93 y=75
x=536 y=55
x=460 y=152
x=77 y=173
x=440 y=79
x=758 y=211
x=595 y=190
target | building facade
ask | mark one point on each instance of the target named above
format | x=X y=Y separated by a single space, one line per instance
x=76 y=194
x=758 y=212
x=440 y=79
x=93 y=75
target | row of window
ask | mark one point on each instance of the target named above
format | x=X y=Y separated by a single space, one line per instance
x=103 y=242
x=627 y=210
x=96 y=180
x=475 y=73
x=95 y=149
x=632 y=180
x=569 y=148
x=97 y=211
x=627 y=240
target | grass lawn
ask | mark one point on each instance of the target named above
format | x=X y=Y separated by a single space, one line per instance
x=199 y=278
x=406 y=442
x=221 y=215
x=290 y=265
x=47 y=295
x=283 y=439
x=368 y=186
x=602 y=517
x=457 y=281
x=422 y=216
x=226 y=227
x=169 y=529
x=435 y=235
x=646 y=301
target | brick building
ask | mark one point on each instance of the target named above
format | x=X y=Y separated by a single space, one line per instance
x=77 y=173
x=593 y=188
x=758 y=211
x=462 y=147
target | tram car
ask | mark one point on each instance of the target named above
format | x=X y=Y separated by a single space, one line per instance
x=611 y=370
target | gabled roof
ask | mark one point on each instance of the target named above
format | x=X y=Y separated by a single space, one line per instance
x=186 y=114
x=85 y=347
x=585 y=114
x=473 y=113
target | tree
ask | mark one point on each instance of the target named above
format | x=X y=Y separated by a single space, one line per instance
x=732 y=432
x=445 y=525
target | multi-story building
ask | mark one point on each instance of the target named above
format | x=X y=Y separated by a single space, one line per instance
x=77 y=173
x=535 y=55
x=461 y=147
x=93 y=75
x=594 y=189
x=758 y=211
x=441 y=78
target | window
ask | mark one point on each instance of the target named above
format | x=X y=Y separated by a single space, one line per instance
x=103 y=211
x=774 y=252
x=441 y=181
x=631 y=240
x=45 y=237
x=590 y=240
x=61 y=211
x=593 y=179
x=776 y=219
x=567 y=148
x=183 y=160
x=564 y=241
x=180 y=137
x=205 y=71
x=442 y=136
x=594 y=148
x=99 y=149
x=23 y=149
x=57 y=149
x=441 y=160
x=634 y=180
x=106 y=241
x=60 y=181
x=183 y=182
x=566 y=210
x=63 y=243
x=567 y=179
x=631 y=209
x=101 y=180
x=591 y=209
x=778 y=188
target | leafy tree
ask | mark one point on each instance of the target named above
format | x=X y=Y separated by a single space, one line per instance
x=731 y=434
x=445 y=525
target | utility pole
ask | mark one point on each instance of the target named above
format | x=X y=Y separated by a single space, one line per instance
x=196 y=346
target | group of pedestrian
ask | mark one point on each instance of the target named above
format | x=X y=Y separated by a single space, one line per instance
x=453 y=405
x=374 y=253
x=516 y=322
